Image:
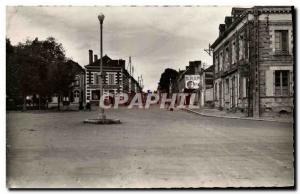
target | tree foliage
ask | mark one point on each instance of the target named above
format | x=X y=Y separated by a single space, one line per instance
x=37 y=67
x=165 y=77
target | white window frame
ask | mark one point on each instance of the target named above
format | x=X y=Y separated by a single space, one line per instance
x=281 y=83
x=290 y=37
x=113 y=74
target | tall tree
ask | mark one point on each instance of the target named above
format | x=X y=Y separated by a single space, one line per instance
x=166 y=76
x=39 y=68
x=13 y=93
x=63 y=74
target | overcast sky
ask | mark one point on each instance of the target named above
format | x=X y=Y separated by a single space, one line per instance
x=155 y=37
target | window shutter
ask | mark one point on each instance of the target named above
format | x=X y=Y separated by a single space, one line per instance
x=277 y=40
x=273 y=86
x=269 y=83
x=291 y=84
x=244 y=87
x=284 y=38
x=95 y=78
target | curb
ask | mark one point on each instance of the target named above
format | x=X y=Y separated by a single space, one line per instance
x=228 y=117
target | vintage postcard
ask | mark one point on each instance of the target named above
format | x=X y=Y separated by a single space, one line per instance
x=150 y=97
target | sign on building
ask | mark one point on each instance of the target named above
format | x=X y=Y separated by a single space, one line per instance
x=192 y=81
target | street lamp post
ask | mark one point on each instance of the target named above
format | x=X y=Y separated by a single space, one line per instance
x=102 y=114
x=102 y=117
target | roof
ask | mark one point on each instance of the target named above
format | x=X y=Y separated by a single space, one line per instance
x=107 y=61
x=76 y=67
x=242 y=12
x=209 y=69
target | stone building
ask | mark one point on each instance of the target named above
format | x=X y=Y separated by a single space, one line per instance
x=76 y=95
x=206 y=87
x=253 y=61
x=203 y=86
x=116 y=78
x=192 y=69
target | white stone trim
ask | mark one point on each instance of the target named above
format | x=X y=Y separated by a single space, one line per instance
x=275 y=17
x=273 y=68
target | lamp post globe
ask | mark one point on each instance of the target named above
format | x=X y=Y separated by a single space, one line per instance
x=101 y=17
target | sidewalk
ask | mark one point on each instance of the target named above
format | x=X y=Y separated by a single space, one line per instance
x=209 y=112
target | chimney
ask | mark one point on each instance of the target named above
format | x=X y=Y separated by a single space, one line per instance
x=221 y=29
x=121 y=62
x=90 y=57
x=228 y=21
x=95 y=58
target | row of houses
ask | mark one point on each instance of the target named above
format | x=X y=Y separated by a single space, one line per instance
x=116 y=78
x=86 y=86
x=253 y=61
x=252 y=70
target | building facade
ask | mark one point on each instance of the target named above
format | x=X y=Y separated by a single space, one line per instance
x=116 y=78
x=202 y=86
x=206 y=87
x=253 y=61
x=76 y=94
x=78 y=86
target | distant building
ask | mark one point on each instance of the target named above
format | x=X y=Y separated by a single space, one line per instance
x=116 y=78
x=253 y=60
x=206 y=86
x=188 y=80
x=78 y=86
x=76 y=93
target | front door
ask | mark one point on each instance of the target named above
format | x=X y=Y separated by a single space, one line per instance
x=76 y=96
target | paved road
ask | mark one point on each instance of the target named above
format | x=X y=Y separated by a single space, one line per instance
x=152 y=148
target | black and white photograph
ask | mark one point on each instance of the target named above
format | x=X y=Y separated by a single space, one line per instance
x=150 y=96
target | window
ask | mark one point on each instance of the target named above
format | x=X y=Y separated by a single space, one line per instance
x=95 y=94
x=245 y=87
x=111 y=79
x=282 y=83
x=76 y=93
x=226 y=61
x=227 y=86
x=96 y=78
x=241 y=47
x=281 y=41
x=221 y=61
x=216 y=92
x=216 y=63
x=233 y=55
